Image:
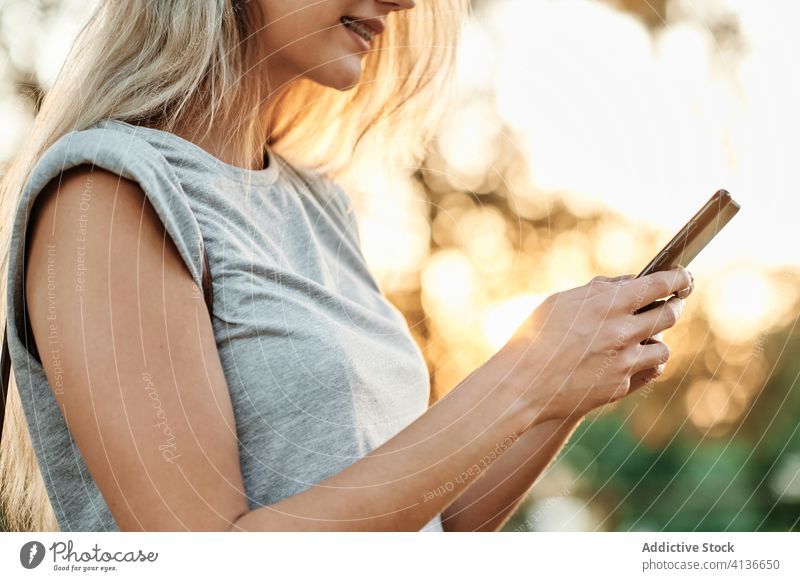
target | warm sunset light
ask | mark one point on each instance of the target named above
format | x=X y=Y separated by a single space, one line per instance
x=500 y=322
x=743 y=302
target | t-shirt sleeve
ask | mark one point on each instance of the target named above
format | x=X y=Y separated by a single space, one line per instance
x=121 y=153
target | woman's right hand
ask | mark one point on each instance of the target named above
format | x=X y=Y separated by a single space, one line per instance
x=579 y=348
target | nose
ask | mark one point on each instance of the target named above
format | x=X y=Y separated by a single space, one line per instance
x=401 y=4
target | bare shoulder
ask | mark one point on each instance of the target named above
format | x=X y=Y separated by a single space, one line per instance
x=97 y=226
x=93 y=236
x=82 y=193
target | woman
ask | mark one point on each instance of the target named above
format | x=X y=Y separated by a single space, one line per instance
x=182 y=129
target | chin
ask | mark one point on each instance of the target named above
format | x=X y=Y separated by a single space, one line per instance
x=342 y=77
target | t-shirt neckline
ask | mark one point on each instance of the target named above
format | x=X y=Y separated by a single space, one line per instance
x=264 y=176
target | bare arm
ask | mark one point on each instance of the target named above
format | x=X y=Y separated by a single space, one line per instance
x=495 y=496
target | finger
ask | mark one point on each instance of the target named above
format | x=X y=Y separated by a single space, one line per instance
x=657 y=320
x=595 y=286
x=648 y=356
x=688 y=290
x=619 y=278
x=600 y=284
x=652 y=305
x=644 y=377
x=642 y=291
x=657 y=337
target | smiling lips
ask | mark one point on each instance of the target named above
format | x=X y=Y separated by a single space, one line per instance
x=366 y=28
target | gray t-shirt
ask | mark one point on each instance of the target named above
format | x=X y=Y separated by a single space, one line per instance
x=321 y=367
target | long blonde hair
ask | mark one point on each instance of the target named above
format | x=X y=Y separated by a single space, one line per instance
x=156 y=63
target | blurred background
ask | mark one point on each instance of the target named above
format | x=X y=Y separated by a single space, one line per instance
x=586 y=133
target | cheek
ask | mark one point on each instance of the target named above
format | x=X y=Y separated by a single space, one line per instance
x=306 y=39
x=303 y=42
x=297 y=24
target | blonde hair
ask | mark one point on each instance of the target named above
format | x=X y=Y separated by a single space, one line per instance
x=160 y=63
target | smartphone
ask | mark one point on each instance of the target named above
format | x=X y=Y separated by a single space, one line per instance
x=693 y=237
